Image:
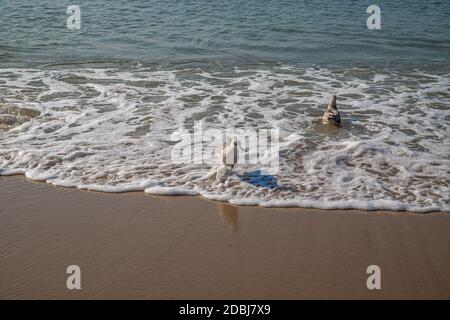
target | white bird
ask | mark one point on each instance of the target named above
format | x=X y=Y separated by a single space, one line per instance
x=228 y=156
x=332 y=115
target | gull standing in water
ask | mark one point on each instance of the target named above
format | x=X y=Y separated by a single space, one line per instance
x=332 y=115
x=227 y=159
x=229 y=154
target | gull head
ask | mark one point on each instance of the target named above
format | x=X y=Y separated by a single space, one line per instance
x=332 y=102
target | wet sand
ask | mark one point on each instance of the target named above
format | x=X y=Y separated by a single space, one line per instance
x=135 y=245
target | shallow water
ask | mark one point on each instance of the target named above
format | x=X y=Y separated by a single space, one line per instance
x=98 y=108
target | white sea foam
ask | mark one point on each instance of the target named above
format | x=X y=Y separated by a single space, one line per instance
x=171 y=191
x=110 y=130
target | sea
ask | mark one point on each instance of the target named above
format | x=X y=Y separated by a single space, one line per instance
x=102 y=104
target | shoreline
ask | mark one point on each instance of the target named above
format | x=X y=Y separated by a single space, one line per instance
x=165 y=247
x=203 y=198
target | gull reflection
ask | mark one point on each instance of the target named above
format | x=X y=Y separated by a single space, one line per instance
x=229 y=214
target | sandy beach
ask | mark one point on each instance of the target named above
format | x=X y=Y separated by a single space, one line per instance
x=133 y=245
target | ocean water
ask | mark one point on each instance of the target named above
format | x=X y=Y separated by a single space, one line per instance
x=97 y=108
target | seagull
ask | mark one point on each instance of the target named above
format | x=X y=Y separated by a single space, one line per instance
x=332 y=115
x=228 y=157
